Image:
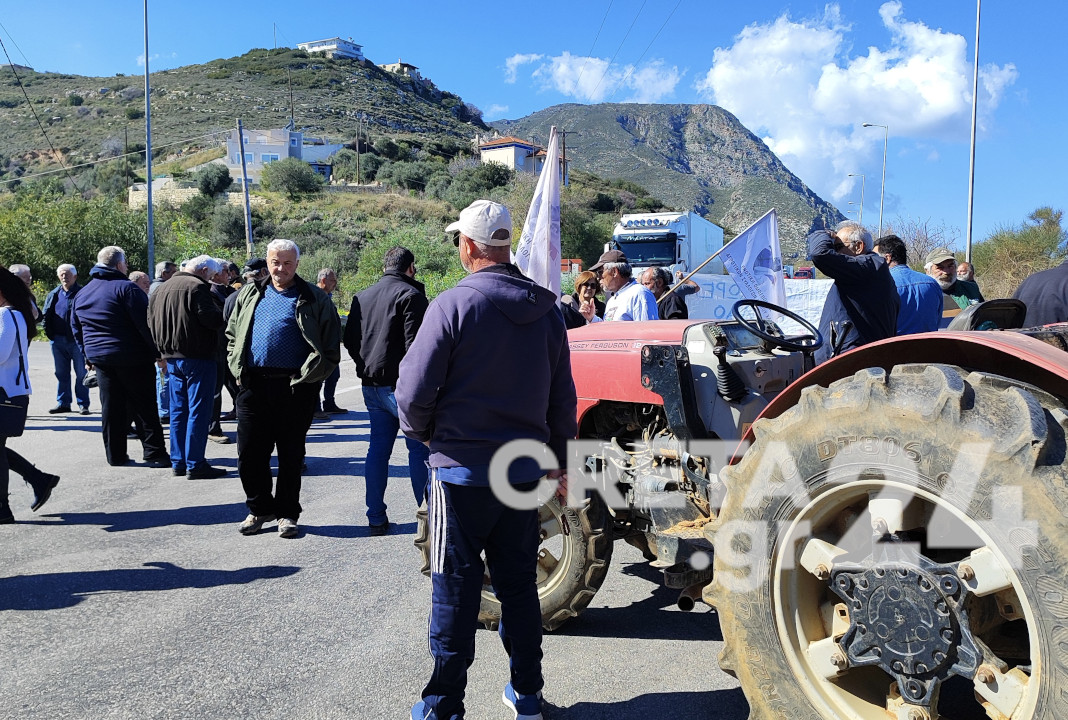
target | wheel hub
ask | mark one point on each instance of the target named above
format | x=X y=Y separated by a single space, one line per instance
x=907 y=618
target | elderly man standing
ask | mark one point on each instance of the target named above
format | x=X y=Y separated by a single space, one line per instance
x=327 y=282
x=862 y=305
x=164 y=271
x=65 y=352
x=185 y=323
x=110 y=324
x=489 y=365
x=284 y=339
x=630 y=300
x=672 y=307
x=383 y=321
x=957 y=293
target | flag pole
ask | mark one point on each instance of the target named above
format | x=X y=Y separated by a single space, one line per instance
x=694 y=272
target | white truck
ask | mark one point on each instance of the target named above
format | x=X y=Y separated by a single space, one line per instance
x=676 y=240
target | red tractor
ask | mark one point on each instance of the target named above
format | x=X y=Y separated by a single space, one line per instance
x=884 y=536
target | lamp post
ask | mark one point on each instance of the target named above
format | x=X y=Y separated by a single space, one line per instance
x=861 y=176
x=882 y=188
x=971 y=163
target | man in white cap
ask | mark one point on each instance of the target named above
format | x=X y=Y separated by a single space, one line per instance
x=489 y=365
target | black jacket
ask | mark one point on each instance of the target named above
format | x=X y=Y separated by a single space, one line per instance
x=184 y=318
x=1046 y=295
x=54 y=325
x=382 y=324
x=863 y=300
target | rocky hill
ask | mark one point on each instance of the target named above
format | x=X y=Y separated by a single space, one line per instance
x=692 y=156
x=90 y=118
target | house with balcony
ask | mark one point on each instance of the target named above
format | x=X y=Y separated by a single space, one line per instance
x=334 y=47
x=267 y=146
x=519 y=155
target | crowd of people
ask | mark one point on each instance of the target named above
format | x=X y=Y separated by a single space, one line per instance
x=485 y=364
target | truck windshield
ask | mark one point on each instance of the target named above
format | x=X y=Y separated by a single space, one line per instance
x=647 y=250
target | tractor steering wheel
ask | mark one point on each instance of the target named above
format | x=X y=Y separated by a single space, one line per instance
x=807 y=342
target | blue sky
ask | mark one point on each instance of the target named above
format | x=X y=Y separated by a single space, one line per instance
x=803 y=76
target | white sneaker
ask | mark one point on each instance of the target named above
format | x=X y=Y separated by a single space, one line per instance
x=287 y=528
x=254 y=523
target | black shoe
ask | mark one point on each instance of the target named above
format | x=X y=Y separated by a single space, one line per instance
x=125 y=460
x=59 y=409
x=6 y=518
x=334 y=410
x=158 y=462
x=84 y=411
x=378 y=530
x=219 y=437
x=42 y=489
x=178 y=471
x=207 y=472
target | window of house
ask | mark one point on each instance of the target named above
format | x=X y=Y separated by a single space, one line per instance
x=248 y=159
x=292 y=142
x=269 y=157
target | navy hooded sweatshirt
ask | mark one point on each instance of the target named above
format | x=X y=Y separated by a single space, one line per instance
x=110 y=320
x=490 y=364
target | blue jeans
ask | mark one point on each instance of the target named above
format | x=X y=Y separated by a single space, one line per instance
x=65 y=353
x=163 y=398
x=329 y=386
x=191 y=386
x=382 y=407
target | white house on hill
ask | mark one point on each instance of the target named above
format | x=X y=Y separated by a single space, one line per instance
x=334 y=48
x=519 y=155
x=266 y=146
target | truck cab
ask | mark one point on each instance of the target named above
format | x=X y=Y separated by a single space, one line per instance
x=678 y=241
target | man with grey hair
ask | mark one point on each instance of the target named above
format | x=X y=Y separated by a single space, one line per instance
x=141 y=280
x=862 y=305
x=185 y=321
x=110 y=324
x=65 y=352
x=164 y=271
x=284 y=339
x=327 y=282
x=629 y=299
x=23 y=271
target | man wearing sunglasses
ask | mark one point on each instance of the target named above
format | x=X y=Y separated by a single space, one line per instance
x=862 y=305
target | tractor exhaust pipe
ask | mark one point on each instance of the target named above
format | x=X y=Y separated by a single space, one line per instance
x=689 y=596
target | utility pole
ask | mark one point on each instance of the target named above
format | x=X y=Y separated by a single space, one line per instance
x=971 y=163
x=292 y=119
x=148 y=154
x=244 y=187
x=563 y=149
x=358 y=147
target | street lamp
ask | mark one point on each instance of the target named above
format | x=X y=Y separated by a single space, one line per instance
x=882 y=189
x=861 y=176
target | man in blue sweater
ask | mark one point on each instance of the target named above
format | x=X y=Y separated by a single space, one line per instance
x=489 y=365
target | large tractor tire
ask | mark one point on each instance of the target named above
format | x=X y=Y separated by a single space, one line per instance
x=573 y=560
x=896 y=546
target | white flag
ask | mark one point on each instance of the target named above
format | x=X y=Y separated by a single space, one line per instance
x=538 y=253
x=754 y=260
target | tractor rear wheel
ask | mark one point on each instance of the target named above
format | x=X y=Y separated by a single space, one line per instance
x=895 y=546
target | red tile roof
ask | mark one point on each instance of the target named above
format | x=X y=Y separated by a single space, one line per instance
x=504 y=141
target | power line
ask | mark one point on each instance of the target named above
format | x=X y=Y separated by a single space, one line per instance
x=624 y=78
x=595 y=37
x=609 y=65
x=29 y=104
x=118 y=157
x=12 y=39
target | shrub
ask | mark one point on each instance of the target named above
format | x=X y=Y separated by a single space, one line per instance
x=133 y=113
x=75 y=100
x=213 y=179
x=292 y=176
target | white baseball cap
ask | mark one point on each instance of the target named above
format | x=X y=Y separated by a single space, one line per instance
x=486 y=222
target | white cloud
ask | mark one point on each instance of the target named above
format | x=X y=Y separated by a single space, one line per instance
x=799 y=84
x=154 y=58
x=592 y=79
x=512 y=64
x=495 y=111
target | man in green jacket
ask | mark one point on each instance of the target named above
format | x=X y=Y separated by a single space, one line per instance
x=284 y=339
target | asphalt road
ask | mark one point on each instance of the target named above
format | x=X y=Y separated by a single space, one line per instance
x=132 y=595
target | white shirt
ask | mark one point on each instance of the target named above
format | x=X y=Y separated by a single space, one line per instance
x=9 y=353
x=631 y=302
